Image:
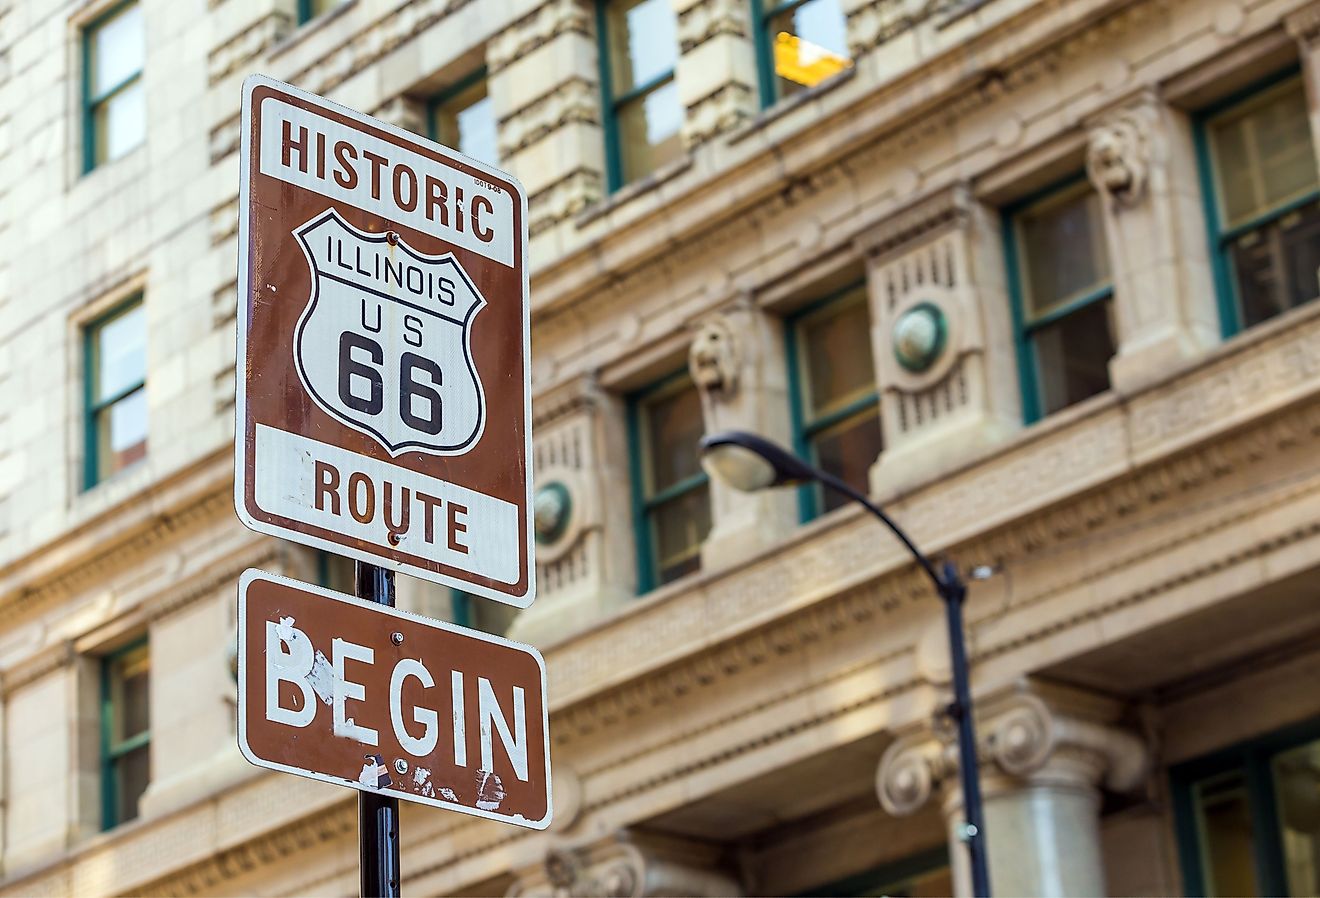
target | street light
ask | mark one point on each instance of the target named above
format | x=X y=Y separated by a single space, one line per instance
x=748 y=462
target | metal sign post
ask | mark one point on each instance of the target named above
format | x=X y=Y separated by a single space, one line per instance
x=378 y=815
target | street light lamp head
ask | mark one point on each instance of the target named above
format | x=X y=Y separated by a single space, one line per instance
x=748 y=462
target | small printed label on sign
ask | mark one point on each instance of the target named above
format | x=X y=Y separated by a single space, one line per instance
x=361 y=695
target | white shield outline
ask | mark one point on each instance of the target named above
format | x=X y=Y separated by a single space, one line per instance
x=392 y=448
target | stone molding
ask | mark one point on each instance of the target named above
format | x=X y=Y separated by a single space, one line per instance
x=947 y=208
x=563 y=199
x=223 y=220
x=1034 y=732
x=575 y=101
x=240 y=50
x=536 y=29
x=404 y=112
x=719 y=112
x=335 y=824
x=624 y=866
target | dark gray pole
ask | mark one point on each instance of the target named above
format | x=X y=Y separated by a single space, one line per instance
x=378 y=816
x=954 y=593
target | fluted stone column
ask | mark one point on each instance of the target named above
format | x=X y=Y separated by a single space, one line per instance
x=737 y=362
x=625 y=866
x=1046 y=752
x=1141 y=160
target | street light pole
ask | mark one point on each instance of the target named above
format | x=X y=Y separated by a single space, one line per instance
x=749 y=462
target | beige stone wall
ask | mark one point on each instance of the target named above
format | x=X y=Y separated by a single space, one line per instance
x=755 y=699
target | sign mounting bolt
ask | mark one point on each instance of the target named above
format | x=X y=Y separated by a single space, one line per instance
x=396 y=637
x=392 y=238
x=400 y=766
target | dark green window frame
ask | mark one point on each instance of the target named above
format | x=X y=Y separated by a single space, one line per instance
x=643 y=504
x=610 y=105
x=441 y=99
x=765 y=53
x=804 y=429
x=92 y=408
x=307 y=10
x=1028 y=365
x=112 y=751
x=1253 y=756
x=1226 y=288
x=91 y=104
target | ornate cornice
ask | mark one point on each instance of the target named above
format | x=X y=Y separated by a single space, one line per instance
x=950 y=207
x=335 y=824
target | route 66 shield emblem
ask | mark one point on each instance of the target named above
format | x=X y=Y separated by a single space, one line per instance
x=371 y=292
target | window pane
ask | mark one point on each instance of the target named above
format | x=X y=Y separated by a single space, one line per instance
x=316 y=7
x=678 y=527
x=643 y=45
x=132 y=774
x=1226 y=834
x=1072 y=356
x=120 y=123
x=130 y=678
x=1276 y=265
x=847 y=450
x=122 y=433
x=467 y=123
x=121 y=353
x=649 y=131
x=1064 y=255
x=809 y=44
x=1297 y=792
x=673 y=426
x=1264 y=155
x=837 y=344
x=117 y=47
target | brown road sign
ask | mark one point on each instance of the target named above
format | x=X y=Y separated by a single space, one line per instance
x=356 y=694
x=383 y=406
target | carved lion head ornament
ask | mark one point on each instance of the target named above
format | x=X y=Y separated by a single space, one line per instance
x=1117 y=157
x=713 y=356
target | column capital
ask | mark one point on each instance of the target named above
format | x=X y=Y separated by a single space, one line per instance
x=624 y=865
x=1032 y=733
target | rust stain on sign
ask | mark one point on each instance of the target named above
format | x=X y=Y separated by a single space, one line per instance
x=444 y=716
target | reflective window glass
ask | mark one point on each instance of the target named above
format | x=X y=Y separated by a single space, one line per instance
x=806 y=43
x=1268 y=193
x=116 y=391
x=466 y=121
x=126 y=752
x=645 y=117
x=115 y=105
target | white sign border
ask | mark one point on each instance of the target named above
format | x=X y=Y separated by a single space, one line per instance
x=252 y=574
x=250 y=84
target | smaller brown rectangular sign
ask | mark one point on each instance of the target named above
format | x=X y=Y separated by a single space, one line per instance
x=344 y=691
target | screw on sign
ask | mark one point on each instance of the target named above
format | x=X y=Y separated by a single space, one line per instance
x=383 y=407
x=443 y=716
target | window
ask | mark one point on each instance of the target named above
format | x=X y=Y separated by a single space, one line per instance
x=835 y=403
x=1248 y=819
x=115 y=116
x=481 y=614
x=1058 y=268
x=1261 y=186
x=464 y=119
x=115 y=372
x=671 y=496
x=310 y=9
x=643 y=114
x=799 y=44
x=126 y=733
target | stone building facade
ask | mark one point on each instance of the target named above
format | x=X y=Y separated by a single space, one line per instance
x=1034 y=273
